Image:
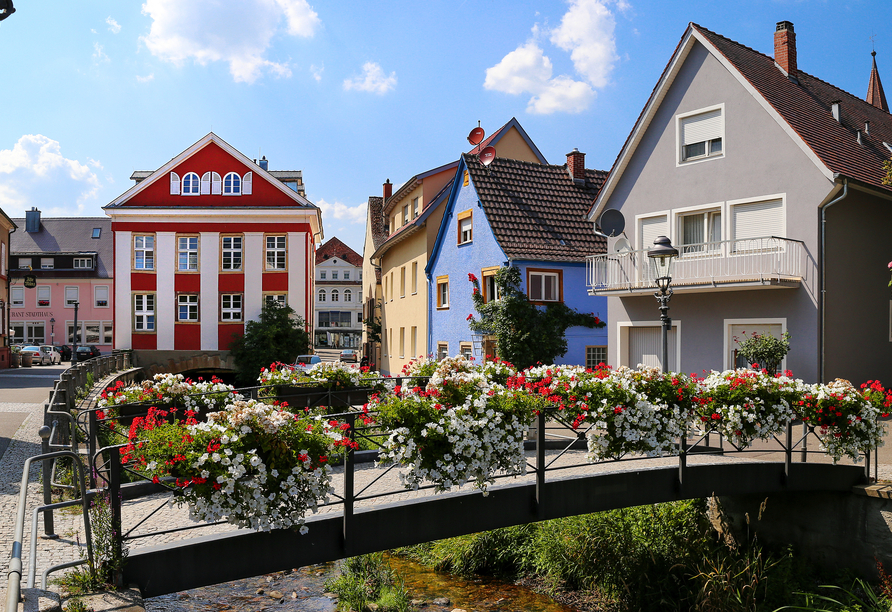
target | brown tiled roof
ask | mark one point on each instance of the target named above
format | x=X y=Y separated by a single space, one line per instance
x=537 y=211
x=379 y=231
x=806 y=106
x=335 y=248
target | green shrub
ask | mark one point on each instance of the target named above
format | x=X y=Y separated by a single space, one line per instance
x=369 y=579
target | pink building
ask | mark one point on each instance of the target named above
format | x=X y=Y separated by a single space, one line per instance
x=70 y=261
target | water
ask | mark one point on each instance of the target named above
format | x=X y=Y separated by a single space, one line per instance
x=302 y=590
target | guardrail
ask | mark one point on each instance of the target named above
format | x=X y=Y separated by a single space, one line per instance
x=753 y=259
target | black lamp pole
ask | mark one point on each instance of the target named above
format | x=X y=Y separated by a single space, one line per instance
x=74 y=344
x=662 y=256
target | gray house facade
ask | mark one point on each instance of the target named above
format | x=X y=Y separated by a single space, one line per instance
x=769 y=183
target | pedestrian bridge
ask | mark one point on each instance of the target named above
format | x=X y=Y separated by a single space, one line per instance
x=373 y=513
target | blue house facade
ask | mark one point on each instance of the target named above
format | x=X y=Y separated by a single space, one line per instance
x=515 y=213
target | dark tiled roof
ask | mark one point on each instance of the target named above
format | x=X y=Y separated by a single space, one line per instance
x=805 y=106
x=537 y=211
x=376 y=218
x=68 y=235
x=335 y=248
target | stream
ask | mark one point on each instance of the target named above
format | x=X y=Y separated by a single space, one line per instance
x=302 y=590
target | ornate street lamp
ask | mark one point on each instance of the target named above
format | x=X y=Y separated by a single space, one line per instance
x=53 y=330
x=662 y=256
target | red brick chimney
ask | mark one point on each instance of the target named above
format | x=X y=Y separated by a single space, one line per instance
x=388 y=190
x=785 y=47
x=576 y=165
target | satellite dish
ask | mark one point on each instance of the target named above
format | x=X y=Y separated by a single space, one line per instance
x=622 y=246
x=476 y=136
x=612 y=222
x=487 y=155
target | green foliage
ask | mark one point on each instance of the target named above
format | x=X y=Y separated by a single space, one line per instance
x=368 y=579
x=887 y=172
x=373 y=326
x=109 y=552
x=764 y=349
x=526 y=334
x=278 y=336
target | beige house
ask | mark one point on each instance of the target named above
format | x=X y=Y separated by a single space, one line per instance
x=400 y=232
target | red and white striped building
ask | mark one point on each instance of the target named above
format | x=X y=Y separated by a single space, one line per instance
x=200 y=245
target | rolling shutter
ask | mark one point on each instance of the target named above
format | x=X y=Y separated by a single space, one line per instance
x=174 y=183
x=645 y=347
x=757 y=219
x=702 y=127
x=651 y=228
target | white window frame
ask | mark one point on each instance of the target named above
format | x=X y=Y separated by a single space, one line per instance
x=542 y=274
x=276 y=251
x=679 y=137
x=174 y=183
x=194 y=184
x=96 y=296
x=69 y=303
x=186 y=247
x=731 y=229
x=281 y=298
x=677 y=229
x=47 y=292
x=233 y=252
x=24 y=262
x=108 y=332
x=248 y=183
x=189 y=301
x=621 y=355
x=17 y=297
x=230 y=188
x=148 y=252
x=144 y=312
x=348 y=295
x=346 y=274
x=231 y=307
x=639 y=234
x=321 y=296
x=83 y=263
x=322 y=275
x=335 y=296
x=729 y=342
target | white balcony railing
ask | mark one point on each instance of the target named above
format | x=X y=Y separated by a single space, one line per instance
x=728 y=264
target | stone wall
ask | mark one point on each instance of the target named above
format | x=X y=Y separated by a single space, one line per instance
x=835 y=530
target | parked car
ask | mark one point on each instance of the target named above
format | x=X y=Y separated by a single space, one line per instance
x=305 y=362
x=38 y=357
x=65 y=351
x=349 y=355
x=88 y=351
x=53 y=352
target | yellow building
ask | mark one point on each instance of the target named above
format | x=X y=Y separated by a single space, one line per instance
x=400 y=231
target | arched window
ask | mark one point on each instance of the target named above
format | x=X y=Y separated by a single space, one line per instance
x=334 y=295
x=191 y=184
x=232 y=184
x=322 y=295
x=348 y=295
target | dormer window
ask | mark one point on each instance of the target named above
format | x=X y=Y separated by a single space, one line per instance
x=191 y=184
x=232 y=184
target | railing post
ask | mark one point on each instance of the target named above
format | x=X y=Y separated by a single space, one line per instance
x=47 y=468
x=349 y=466
x=804 y=442
x=682 y=456
x=867 y=465
x=540 y=463
x=114 y=502
x=788 y=454
x=91 y=444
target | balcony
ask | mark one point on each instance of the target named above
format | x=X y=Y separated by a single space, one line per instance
x=728 y=265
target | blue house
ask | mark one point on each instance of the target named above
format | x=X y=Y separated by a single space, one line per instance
x=516 y=213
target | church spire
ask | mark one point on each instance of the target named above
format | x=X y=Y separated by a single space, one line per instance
x=875 y=95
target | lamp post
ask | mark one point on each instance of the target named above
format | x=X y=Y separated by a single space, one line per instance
x=662 y=256
x=53 y=331
x=76 y=330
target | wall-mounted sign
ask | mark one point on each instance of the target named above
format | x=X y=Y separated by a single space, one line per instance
x=30 y=281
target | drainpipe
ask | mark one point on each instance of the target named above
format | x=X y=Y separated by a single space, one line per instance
x=430 y=318
x=8 y=304
x=842 y=196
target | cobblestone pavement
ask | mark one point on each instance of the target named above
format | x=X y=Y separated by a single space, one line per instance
x=158 y=514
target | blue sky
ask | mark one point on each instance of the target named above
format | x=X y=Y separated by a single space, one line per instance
x=356 y=92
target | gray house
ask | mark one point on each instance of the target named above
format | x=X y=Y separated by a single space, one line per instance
x=769 y=182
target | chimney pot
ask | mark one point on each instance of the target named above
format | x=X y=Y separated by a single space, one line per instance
x=785 y=48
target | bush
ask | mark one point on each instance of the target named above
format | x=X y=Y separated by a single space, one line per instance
x=279 y=335
x=368 y=579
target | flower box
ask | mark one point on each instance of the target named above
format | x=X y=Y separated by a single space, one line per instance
x=43 y=302
x=310 y=397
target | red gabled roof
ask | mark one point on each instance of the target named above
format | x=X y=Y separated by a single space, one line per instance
x=804 y=102
x=335 y=248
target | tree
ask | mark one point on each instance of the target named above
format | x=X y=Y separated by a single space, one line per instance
x=279 y=335
x=526 y=334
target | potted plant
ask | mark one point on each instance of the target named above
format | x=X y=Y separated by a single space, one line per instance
x=764 y=350
x=15 y=357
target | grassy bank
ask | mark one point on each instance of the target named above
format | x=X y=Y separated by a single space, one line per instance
x=662 y=557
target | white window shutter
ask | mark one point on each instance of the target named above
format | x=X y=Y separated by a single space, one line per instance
x=702 y=127
x=216 y=184
x=174 y=183
x=205 y=183
x=651 y=228
x=758 y=219
x=246 y=183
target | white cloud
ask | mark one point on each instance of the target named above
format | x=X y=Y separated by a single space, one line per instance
x=98 y=53
x=372 y=80
x=146 y=79
x=587 y=33
x=113 y=26
x=343 y=212
x=211 y=31
x=35 y=173
x=316 y=71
